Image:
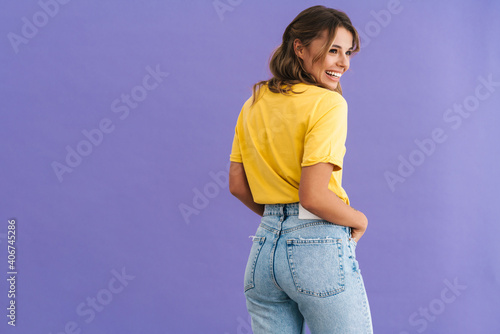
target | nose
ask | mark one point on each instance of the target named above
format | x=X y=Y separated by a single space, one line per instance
x=343 y=61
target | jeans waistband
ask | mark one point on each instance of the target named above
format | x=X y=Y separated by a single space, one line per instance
x=289 y=209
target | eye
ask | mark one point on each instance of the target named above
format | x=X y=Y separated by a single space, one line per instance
x=335 y=51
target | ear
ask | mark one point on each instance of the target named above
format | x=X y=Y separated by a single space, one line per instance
x=298 y=48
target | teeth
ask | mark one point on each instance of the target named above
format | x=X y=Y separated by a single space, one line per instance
x=336 y=74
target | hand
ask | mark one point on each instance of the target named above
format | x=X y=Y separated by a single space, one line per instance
x=357 y=232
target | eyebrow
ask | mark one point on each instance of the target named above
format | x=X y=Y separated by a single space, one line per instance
x=338 y=46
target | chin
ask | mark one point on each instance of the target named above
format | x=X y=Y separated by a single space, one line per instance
x=332 y=87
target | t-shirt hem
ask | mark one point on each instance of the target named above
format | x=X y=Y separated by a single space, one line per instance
x=235 y=159
x=334 y=161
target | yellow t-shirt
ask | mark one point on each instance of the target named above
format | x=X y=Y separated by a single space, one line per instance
x=279 y=135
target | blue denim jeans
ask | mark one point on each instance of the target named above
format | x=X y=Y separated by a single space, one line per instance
x=304 y=271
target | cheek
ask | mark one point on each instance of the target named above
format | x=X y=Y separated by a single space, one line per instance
x=330 y=60
x=314 y=70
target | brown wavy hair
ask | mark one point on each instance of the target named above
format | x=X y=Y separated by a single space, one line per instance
x=286 y=67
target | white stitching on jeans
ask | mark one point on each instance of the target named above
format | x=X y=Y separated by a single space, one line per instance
x=318 y=239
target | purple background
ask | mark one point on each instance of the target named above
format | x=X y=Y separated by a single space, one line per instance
x=120 y=207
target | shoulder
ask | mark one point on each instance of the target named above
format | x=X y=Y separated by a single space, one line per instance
x=329 y=107
x=333 y=100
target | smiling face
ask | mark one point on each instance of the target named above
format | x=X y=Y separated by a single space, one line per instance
x=336 y=62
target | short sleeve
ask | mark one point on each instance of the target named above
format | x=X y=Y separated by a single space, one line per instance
x=235 y=151
x=326 y=135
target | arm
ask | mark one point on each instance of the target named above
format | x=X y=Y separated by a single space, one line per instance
x=315 y=197
x=238 y=186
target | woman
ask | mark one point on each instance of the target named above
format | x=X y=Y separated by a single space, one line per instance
x=286 y=165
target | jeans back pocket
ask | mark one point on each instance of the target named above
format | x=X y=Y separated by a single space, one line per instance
x=257 y=244
x=316 y=265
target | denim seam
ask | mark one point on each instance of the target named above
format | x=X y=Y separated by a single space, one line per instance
x=271 y=267
x=251 y=284
x=352 y=255
x=291 y=229
x=275 y=244
x=365 y=306
x=269 y=228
